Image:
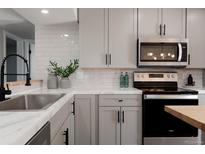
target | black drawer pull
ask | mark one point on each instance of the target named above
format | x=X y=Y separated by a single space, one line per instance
x=118 y=116
x=66 y=134
x=120 y=100
x=73 y=107
x=123 y=116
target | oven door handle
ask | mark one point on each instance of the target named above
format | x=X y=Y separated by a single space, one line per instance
x=180 y=52
x=170 y=97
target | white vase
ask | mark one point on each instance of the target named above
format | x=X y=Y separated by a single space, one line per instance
x=52 y=81
x=65 y=83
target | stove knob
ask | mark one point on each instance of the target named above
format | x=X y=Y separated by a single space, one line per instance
x=168 y=75
x=173 y=76
x=142 y=76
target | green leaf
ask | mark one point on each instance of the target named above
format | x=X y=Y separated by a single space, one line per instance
x=63 y=71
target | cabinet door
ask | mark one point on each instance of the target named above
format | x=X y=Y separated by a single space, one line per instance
x=174 y=22
x=93 y=37
x=201 y=99
x=200 y=133
x=109 y=126
x=196 y=33
x=149 y=21
x=85 y=119
x=58 y=119
x=71 y=131
x=131 y=125
x=60 y=137
x=122 y=37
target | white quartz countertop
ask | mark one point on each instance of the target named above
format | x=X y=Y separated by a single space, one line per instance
x=17 y=127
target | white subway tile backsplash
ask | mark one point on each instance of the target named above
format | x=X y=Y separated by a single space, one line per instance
x=50 y=45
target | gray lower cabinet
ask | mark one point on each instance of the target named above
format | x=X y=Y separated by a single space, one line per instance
x=86 y=120
x=201 y=134
x=62 y=125
x=109 y=126
x=65 y=135
x=120 y=120
x=131 y=125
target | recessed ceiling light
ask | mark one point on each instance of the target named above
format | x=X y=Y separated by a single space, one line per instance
x=44 y=11
x=66 y=35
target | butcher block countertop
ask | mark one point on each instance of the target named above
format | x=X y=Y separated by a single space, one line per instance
x=193 y=115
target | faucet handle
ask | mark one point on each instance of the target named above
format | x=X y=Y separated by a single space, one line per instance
x=8 y=91
x=7 y=86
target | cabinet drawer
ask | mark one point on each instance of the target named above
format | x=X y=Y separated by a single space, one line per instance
x=120 y=100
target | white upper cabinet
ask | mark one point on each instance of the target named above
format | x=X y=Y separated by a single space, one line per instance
x=149 y=21
x=122 y=37
x=195 y=34
x=108 y=38
x=174 y=22
x=162 y=23
x=92 y=28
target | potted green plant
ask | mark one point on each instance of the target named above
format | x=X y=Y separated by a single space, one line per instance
x=52 y=79
x=65 y=72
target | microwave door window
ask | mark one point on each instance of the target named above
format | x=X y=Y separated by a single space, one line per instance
x=159 y=52
x=170 y=52
x=150 y=53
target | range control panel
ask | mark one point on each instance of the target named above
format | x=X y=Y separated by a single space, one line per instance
x=155 y=76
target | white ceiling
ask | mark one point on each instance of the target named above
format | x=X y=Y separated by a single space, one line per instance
x=16 y=24
x=55 y=16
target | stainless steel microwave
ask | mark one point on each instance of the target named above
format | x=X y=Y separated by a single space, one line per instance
x=162 y=52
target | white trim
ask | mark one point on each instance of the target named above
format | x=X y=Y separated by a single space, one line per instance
x=18 y=40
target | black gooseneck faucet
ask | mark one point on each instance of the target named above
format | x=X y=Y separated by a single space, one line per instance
x=3 y=91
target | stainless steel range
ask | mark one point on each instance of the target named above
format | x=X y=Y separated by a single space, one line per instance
x=159 y=127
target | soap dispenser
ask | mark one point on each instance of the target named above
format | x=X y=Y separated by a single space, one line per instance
x=190 y=81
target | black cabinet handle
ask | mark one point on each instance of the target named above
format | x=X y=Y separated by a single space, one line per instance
x=118 y=116
x=160 y=29
x=73 y=107
x=189 y=59
x=106 y=59
x=120 y=100
x=164 y=29
x=66 y=134
x=123 y=116
x=110 y=59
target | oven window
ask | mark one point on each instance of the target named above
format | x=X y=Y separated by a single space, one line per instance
x=158 y=123
x=159 y=52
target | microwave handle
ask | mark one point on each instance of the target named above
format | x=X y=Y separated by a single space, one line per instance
x=180 y=52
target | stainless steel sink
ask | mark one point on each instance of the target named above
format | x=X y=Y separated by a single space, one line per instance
x=30 y=102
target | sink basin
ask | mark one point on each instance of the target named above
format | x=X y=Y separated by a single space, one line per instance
x=30 y=102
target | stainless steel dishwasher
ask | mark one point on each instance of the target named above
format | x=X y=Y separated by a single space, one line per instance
x=42 y=137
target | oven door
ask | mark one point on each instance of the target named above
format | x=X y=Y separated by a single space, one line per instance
x=162 y=54
x=158 y=123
